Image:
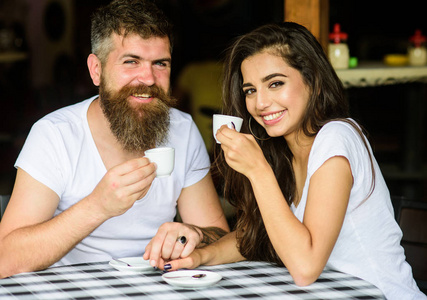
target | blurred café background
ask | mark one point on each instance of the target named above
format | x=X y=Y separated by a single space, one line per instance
x=44 y=45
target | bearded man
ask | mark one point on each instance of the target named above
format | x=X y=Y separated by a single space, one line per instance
x=84 y=190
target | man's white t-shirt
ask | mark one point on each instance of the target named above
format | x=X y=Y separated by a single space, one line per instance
x=61 y=153
x=368 y=245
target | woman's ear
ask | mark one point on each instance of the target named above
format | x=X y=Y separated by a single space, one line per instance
x=95 y=68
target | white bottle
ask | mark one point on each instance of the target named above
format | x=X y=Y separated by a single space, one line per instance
x=339 y=53
x=417 y=51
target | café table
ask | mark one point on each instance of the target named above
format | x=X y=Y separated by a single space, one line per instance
x=254 y=280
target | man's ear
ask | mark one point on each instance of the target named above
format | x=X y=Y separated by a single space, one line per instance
x=94 y=66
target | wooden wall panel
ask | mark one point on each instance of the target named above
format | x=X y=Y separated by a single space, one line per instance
x=313 y=14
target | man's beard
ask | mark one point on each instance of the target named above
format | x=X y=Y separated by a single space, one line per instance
x=141 y=127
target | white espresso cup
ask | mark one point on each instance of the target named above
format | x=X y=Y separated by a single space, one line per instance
x=164 y=157
x=219 y=120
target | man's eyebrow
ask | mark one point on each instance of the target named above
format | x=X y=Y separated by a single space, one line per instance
x=129 y=55
x=166 y=59
x=266 y=78
x=134 y=56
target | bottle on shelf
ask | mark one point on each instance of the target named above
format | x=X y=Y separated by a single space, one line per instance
x=339 y=53
x=417 y=51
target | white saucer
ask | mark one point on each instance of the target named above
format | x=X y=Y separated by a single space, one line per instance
x=187 y=281
x=138 y=264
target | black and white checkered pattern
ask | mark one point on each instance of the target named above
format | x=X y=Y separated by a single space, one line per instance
x=255 y=280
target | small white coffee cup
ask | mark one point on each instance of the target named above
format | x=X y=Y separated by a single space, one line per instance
x=230 y=121
x=164 y=157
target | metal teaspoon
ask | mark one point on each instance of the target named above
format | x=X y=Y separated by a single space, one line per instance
x=195 y=276
x=122 y=262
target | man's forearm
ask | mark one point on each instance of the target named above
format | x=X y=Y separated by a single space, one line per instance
x=38 y=246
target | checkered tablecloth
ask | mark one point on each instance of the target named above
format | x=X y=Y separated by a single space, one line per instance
x=240 y=280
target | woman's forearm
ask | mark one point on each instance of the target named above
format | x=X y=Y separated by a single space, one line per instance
x=221 y=252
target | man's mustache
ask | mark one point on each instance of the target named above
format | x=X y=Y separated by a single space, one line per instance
x=153 y=91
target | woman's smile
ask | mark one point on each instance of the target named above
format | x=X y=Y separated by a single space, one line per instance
x=273 y=118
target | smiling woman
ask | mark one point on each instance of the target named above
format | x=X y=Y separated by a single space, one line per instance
x=312 y=196
x=275 y=93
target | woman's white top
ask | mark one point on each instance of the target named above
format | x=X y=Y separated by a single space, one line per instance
x=368 y=245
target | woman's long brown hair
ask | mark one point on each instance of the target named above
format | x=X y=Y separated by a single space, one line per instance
x=300 y=49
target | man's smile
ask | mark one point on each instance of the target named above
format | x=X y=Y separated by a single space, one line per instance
x=143 y=98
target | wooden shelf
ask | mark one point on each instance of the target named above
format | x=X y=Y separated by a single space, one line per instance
x=376 y=73
x=11 y=57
